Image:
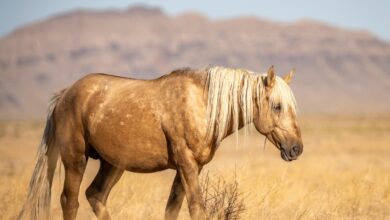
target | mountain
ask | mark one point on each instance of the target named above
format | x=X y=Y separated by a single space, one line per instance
x=338 y=71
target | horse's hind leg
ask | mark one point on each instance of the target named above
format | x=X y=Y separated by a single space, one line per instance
x=97 y=193
x=75 y=160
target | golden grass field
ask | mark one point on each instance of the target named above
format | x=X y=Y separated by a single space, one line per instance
x=343 y=173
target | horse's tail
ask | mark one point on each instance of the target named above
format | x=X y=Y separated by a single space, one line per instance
x=37 y=204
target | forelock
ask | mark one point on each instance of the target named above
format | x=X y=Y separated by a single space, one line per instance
x=282 y=93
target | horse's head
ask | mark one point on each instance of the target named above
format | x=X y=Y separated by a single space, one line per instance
x=275 y=115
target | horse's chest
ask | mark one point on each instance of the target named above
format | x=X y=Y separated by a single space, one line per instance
x=204 y=154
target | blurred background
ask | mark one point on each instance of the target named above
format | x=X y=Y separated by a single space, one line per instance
x=341 y=53
x=340 y=49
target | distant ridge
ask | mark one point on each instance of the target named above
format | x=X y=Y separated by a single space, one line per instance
x=338 y=71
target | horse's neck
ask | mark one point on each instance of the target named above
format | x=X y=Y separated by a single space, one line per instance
x=231 y=124
x=241 y=124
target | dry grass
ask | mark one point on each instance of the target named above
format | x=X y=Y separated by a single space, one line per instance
x=344 y=173
x=222 y=199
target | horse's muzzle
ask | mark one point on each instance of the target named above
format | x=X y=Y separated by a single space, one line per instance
x=291 y=153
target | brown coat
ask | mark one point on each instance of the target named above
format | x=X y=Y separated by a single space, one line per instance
x=153 y=125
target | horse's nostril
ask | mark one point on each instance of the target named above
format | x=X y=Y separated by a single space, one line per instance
x=296 y=149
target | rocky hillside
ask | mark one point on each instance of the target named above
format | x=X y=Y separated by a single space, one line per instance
x=338 y=71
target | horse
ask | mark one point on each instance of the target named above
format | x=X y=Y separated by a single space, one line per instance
x=175 y=122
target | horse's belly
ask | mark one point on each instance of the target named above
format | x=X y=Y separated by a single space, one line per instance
x=145 y=156
x=134 y=148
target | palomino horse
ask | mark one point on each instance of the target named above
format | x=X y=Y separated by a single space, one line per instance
x=174 y=122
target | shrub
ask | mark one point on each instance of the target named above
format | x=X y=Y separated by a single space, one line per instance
x=222 y=199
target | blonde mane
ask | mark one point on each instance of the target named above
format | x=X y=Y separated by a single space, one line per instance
x=232 y=91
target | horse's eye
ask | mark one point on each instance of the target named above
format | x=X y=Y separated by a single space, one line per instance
x=277 y=107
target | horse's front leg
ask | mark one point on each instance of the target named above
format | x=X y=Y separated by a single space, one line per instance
x=175 y=199
x=188 y=170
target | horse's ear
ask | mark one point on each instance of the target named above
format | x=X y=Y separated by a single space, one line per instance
x=271 y=76
x=289 y=76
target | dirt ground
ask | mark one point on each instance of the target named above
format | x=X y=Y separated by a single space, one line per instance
x=344 y=173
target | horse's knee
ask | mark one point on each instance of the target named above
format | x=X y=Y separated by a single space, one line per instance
x=196 y=207
x=197 y=211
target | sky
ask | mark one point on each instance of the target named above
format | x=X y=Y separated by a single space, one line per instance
x=371 y=15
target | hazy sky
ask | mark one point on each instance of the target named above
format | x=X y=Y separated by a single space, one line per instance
x=372 y=15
